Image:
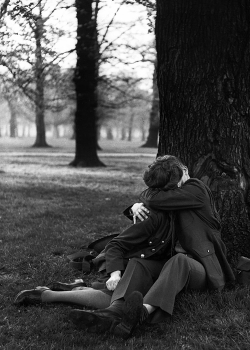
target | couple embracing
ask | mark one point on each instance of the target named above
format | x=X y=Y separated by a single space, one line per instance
x=174 y=245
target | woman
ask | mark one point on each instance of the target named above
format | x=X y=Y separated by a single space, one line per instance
x=200 y=260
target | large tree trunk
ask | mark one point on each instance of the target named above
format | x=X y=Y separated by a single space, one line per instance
x=203 y=79
x=154 y=119
x=86 y=88
x=39 y=97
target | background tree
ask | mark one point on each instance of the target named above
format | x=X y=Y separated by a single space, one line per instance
x=123 y=107
x=60 y=100
x=97 y=53
x=203 y=52
x=30 y=34
x=85 y=79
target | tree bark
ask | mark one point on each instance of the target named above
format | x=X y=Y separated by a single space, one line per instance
x=154 y=119
x=86 y=88
x=39 y=93
x=203 y=79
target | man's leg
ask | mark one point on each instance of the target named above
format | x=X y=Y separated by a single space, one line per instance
x=179 y=272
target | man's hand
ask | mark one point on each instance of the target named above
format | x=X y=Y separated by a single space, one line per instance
x=139 y=211
x=112 y=282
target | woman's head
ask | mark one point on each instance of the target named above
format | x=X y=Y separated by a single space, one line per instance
x=166 y=172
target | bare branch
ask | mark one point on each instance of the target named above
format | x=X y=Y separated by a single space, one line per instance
x=111 y=22
x=57 y=56
x=118 y=37
x=52 y=11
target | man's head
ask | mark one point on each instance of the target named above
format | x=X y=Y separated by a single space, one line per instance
x=166 y=172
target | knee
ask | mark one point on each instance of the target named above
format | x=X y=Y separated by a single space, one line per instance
x=133 y=261
x=181 y=259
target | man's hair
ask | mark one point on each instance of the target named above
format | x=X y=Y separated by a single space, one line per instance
x=165 y=172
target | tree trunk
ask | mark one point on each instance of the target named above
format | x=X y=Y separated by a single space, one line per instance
x=13 y=116
x=143 y=135
x=154 y=119
x=39 y=98
x=203 y=79
x=56 y=133
x=110 y=135
x=86 y=88
x=130 y=126
x=123 y=133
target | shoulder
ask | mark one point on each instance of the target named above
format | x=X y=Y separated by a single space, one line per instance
x=195 y=183
x=158 y=216
x=195 y=187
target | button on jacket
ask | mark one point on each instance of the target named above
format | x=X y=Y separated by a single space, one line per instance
x=197 y=226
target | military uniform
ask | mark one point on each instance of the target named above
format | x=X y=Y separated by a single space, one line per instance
x=204 y=265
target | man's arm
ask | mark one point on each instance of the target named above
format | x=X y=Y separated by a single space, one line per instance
x=134 y=236
x=189 y=196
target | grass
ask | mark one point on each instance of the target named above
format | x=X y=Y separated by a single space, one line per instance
x=47 y=211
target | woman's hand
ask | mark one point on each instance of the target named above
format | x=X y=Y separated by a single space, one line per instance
x=114 y=279
x=140 y=211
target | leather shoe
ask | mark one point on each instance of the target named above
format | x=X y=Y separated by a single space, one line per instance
x=60 y=286
x=32 y=296
x=132 y=311
x=98 y=321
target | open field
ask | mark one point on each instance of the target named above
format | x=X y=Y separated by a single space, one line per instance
x=47 y=211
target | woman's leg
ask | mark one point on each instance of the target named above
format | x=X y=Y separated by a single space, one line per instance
x=86 y=296
x=139 y=275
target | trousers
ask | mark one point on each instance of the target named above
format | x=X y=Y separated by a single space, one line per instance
x=161 y=281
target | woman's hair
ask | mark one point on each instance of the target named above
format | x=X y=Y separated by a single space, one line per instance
x=165 y=172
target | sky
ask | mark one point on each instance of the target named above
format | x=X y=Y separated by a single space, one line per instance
x=130 y=27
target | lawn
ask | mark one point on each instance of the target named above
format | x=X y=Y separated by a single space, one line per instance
x=47 y=211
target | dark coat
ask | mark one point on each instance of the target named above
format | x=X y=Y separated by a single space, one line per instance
x=148 y=239
x=197 y=226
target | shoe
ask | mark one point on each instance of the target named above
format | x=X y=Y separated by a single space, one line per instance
x=32 y=296
x=132 y=311
x=60 y=286
x=98 y=321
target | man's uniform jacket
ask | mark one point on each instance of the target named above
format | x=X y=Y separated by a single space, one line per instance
x=197 y=226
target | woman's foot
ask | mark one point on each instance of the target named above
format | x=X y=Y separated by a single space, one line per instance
x=60 y=286
x=32 y=296
x=133 y=313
